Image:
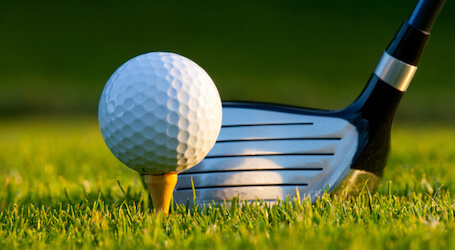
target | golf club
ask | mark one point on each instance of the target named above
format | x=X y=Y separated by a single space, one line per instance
x=268 y=151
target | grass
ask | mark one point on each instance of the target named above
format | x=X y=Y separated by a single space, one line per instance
x=60 y=187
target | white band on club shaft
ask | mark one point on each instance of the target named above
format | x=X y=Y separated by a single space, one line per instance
x=396 y=73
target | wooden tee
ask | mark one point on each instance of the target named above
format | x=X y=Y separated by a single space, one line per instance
x=161 y=188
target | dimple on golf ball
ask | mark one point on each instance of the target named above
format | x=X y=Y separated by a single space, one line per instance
x=160 y=112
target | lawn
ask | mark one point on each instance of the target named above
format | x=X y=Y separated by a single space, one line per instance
x=60 y=187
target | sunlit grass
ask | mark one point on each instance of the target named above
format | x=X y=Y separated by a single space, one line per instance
x=60 y=187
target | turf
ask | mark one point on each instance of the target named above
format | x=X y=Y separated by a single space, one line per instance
x=60 y=187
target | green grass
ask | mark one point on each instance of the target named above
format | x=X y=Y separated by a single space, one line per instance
x=60 y=187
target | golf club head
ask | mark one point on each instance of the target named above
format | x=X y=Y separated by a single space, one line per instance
x=270 y=151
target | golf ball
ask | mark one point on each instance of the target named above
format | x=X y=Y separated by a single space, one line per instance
x=160 y=112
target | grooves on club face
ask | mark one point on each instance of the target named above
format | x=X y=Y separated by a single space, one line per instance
x=269 y=151
x=260 y=158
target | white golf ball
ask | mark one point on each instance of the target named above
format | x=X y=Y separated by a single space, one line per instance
x=160 y=112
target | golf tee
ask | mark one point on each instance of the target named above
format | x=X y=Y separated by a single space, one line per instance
x=161 y=188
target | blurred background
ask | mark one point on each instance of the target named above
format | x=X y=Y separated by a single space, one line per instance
x=56 y=56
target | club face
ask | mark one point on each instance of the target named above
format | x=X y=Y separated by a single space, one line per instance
x=268 y=152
